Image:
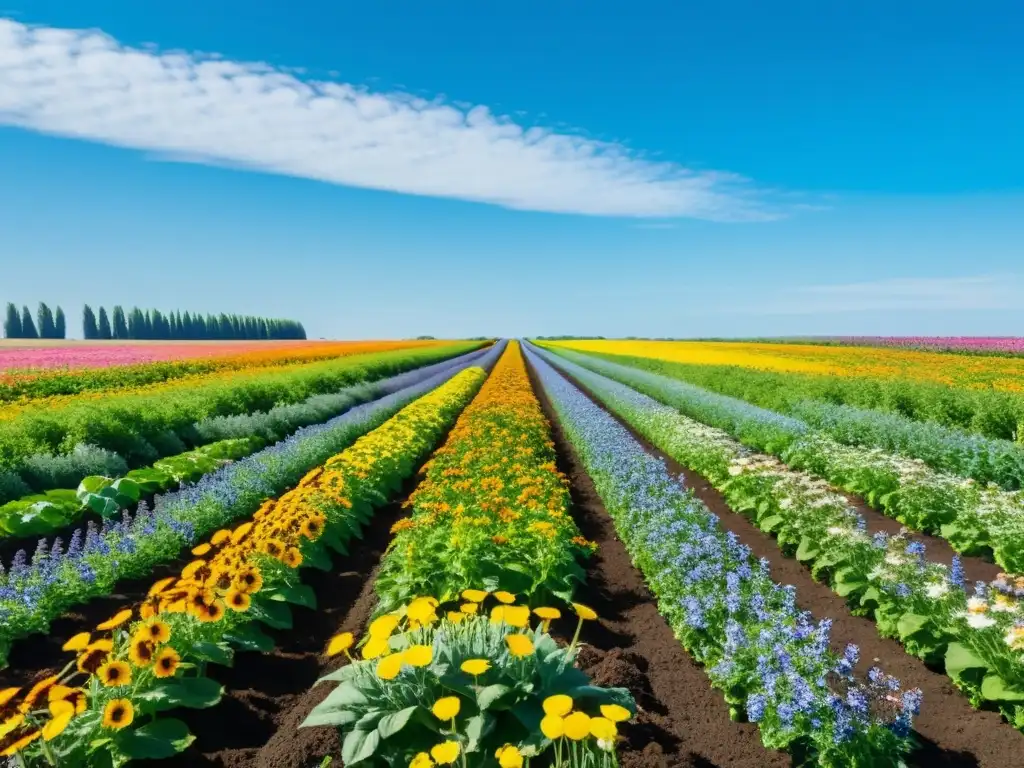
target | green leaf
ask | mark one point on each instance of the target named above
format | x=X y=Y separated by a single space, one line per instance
x=770 y=523
x=910 y=624
x=191 y=692
x=273 y=613
x=316 y=557
x=393 y=723
x=488 y=695
x=994 y=688
x=160 y=739
x=961 y=659
x=359 y=746
x=299 y=594
x=216 y=653
x=250 y=638
x=808 y=549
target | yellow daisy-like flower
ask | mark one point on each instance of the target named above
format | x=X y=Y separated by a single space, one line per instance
x=166 y=663
x=116 y=620
x=615 y=713
x=389 y=667
x=62 y=712
x=469 y=608
x=383 y=626
x=445 y=753
x=202 y=549
x=115 y=673
x=513 y=615
x=422 y=760
x=475 y=666
x=419 y=655
x=558 y=705
x=21 y=743
x=577 y=726
x=548 y=614
x=421 y=609
x=157 y=631
x=446 y=708
x=340 y=643
x=603 y=729
x=78 y=642
x=238 y=601
x=455 y=617
x=509 y=757
x=141 y=652
x=553 y=727
x=519 y=645
x=375 y=646
x=474 y=595
x=584 y=612
x=7 y=694
x=505 y=597
x=160 y=586
x=74 y=696
x=118 y=714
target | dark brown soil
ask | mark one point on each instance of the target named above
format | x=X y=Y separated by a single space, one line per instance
x=950 y=732
x=683 y=721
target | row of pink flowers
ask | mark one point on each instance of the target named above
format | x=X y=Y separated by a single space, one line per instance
x=1009 y=344
x=105 y=355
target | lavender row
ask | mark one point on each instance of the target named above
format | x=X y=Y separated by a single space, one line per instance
x=35 y=592
x=771 y=660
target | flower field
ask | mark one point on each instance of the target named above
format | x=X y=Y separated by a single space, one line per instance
x=554 y=554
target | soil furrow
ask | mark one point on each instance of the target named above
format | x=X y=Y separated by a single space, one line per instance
x=683 y=721
x=950 y=732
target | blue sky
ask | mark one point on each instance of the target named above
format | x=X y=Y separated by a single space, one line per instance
x=463 y=168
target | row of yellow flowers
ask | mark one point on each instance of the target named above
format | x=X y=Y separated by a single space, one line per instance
x=233 y=368
x=493 y=508
x=459 y=666
x=151 y=657
x=982 y=372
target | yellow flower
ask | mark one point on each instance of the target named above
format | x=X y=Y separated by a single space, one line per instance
x=474 y=595
x=615 y=713
x=340 y=643
x=455 y=617
x=238 y=601
x=116 y=620
x=141 y=651
x=421 y=609
x=509 y=757
x=422 y=760
x=552 y=726
x=419 y=656
x=389 y=667
x=558 y=705
x=584 y=612
x=577 y=726
x=78 y=642
x=115 y=673
x=469 y=608
x=11 y=724
x=513 y=615
x=166 y=664
x=445 y=753
x=475 y=666
x=446 y=708
x=548 y=614
x=505 y=597
x=61 y=694
x=383 y=626
x=7 y=694
x=519 y=645
x=118 y=714
x=21 y=743
x=157 y=631
x=375 y=646
x=202 y=549
x=603 y=729
x=62 y=712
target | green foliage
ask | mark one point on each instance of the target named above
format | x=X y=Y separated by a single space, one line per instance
x=28 y=327
x=89 y=328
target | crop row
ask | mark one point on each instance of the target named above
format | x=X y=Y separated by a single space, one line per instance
x=977 y=634
x=223 y=439
x=974 y=518
x=947 y=401
x=72 y=370
x=456 y=666
x=150 y=424
x=150 y=659
x=772 y=662
x=33 y=594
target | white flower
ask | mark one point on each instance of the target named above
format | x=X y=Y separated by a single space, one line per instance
x=785 y=503
x=734 y=471
x=837 y=530
x=980 y=621
x=977 y=605
x=937 y=590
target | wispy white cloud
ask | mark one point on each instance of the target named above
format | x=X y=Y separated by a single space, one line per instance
x=905 y=293
x=199 y=108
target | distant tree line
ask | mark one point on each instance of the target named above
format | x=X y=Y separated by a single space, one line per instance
x=47 y=325
x=154 y=324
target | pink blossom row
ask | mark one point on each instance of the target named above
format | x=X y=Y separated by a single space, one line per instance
x=106 y=355
x=1011 y=344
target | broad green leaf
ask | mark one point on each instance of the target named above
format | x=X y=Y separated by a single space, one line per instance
x=299 y=594
x=359 y=746
x=994 y=688
x=160 y=739
x=393 y=723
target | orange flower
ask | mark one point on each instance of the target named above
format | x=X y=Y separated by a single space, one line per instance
x=116 y=620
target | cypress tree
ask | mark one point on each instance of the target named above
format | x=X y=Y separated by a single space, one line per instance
x=120 y=323
x=156 y=322
x=136 y=324
x=12 y=322
x=28 y=328
x=89 y=328
x=60 y=325
x=175 y=333
x=104 y=327
x=45 y=319
x=186 y=326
